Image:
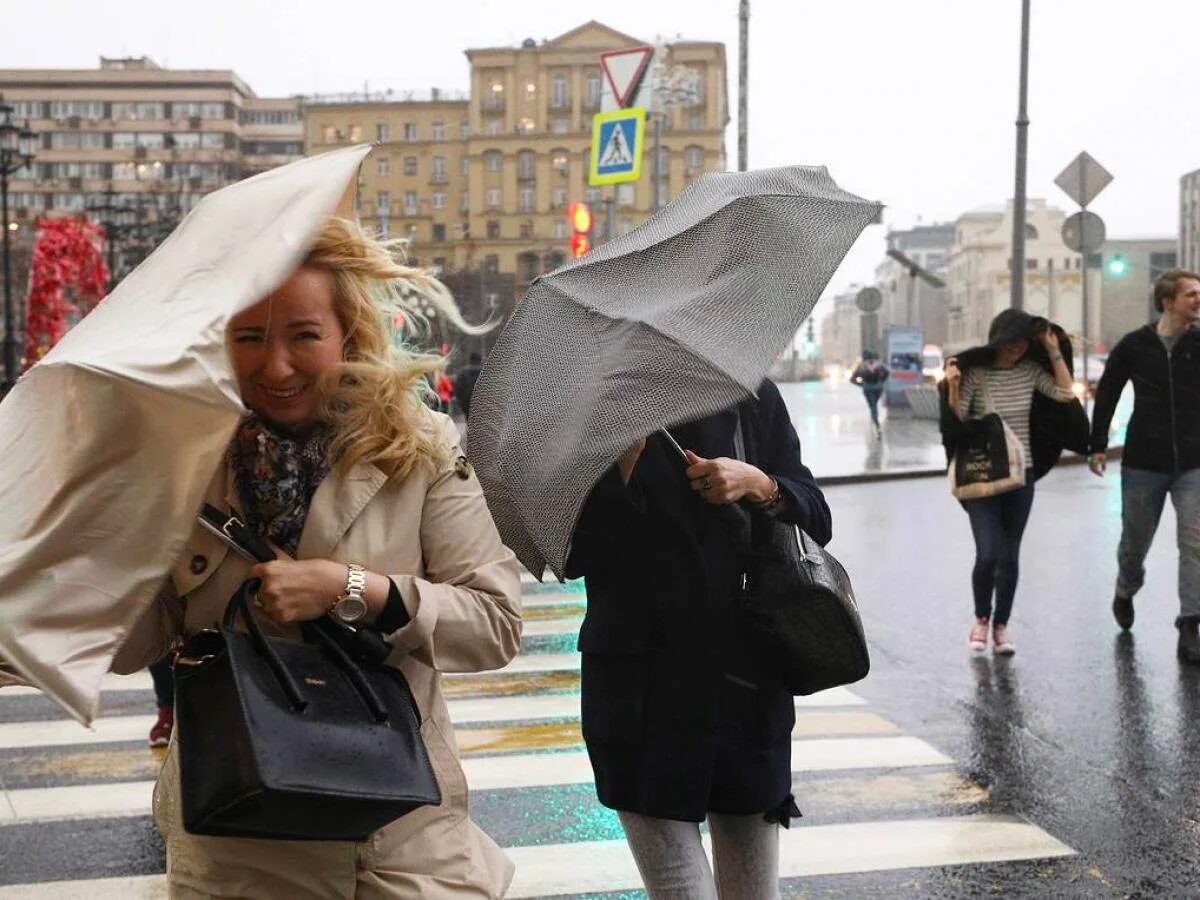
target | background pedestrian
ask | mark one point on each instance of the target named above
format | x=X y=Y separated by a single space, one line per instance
x=871 y=375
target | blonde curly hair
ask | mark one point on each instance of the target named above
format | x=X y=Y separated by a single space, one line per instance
x=374 y=400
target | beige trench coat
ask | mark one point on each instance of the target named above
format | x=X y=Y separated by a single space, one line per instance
x=433 y=535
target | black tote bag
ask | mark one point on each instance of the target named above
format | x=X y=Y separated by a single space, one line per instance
x=293 y=739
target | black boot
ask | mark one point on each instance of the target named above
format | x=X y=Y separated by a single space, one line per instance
x=1189 y=639
x=1123 y=611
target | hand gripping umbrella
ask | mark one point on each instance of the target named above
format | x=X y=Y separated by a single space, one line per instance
x=679 y=319
x=107 y=444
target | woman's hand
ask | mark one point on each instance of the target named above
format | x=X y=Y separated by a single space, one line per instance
x=952 y=373
x=298 y=590
x=1049 y=339
x=723 y=480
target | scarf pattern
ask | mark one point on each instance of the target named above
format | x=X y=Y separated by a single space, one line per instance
x=277 y=473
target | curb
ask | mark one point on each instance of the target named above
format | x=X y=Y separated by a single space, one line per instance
x=1114 y=453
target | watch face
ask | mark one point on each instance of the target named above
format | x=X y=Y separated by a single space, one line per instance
x=350 y=609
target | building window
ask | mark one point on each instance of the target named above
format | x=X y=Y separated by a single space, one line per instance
x=439 y=168
x=410 y=203
x=464 y=129
x=213 y=140
x=493 y=229
x=383 y=203
x=526 y=200
x=592 y=195
x=554 y=259
x=493 y=198
x=559 y=200
x=1031 y=265
x=694 y=157
x=526 y=164
x=383 y=166
x=491 y=264
x=495 y=128
x=464 y=165
x=329 y=134
x=27 y=109
x=439 y=233
x=527 y=267
x=696 y=121
x=493 y=160
x=1031 y=233
x=88 y=109
x=593 y=90
x=625 y=195
x=560 y=160
x=464 y=202
x=526 y=230
x=559 y=98
x=381 y=131
x=439 y=199
x=355 y=134
x=151 y=140
x=410 y=131
x=560 y=126
x=439 y=131
x=410 y=165
x=212 y=111
x=560 y=228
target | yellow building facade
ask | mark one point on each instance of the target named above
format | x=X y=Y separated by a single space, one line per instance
x=484 y=181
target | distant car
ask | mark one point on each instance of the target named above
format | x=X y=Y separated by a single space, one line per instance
x=932 y=364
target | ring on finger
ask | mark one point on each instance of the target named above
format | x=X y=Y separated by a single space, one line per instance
x=706 y=483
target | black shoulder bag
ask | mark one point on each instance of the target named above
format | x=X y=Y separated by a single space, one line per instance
x=293 y=740
x=800 y=604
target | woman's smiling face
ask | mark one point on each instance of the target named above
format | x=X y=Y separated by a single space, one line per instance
x=281 y=346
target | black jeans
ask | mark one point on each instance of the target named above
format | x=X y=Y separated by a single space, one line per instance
x=164 y=682
x=998 y=524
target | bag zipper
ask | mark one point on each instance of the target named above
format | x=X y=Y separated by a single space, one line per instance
x=1170 y=351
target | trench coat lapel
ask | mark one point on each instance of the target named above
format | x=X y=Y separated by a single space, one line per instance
x=336 y=504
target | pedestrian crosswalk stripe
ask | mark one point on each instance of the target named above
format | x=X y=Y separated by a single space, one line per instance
x=603 y=866
x=484 y=773
x=803 y=851
x=557 y=625
x=67 y=732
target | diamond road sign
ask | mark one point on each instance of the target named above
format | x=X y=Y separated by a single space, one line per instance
x=617 y=141
x=1083 y=179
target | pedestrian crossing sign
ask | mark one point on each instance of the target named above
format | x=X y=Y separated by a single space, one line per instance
x=617 y=139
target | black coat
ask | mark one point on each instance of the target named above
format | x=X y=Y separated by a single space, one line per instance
x=680 y=716
x=1164 y=431
x=1053 y=426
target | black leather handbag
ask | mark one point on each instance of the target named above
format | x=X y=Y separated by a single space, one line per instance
x=293 y=739
x=799 y=605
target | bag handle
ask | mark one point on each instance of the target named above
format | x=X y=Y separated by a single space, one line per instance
x=240 y=602
x=314 y=633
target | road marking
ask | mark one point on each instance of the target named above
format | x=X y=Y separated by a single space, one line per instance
x=484 y=773
x=602 y=866
x=803 y=851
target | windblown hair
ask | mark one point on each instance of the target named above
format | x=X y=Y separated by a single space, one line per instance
x=375 y=398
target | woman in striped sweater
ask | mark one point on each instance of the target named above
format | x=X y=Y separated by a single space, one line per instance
x=1010 y=377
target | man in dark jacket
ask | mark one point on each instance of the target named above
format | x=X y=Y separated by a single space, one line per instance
x=1162 y=447
x=464 y=383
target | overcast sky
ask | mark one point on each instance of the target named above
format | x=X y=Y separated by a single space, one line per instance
x=911 y=103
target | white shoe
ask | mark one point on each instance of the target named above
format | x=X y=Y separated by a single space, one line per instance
x=1002 y=645
x=977 y=639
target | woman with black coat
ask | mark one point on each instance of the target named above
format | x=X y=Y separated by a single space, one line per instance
x=683 y=720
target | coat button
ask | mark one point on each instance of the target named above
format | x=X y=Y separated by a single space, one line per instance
x=198 y=564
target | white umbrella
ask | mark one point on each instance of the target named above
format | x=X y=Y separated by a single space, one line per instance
x=107 y=444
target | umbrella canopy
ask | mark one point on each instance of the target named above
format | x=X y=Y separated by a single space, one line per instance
x=108 y=443
x=676 y=320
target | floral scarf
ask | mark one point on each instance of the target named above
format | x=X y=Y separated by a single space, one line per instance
x=277 y=473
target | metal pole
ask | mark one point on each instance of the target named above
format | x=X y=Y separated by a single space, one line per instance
x=10 y=327
x=1018 y=248
x=657 y=156
x=743 y=87
x=609 y=205
x=912 y=289
x=1084 y=291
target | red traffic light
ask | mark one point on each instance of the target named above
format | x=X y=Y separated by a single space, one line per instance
x=579 y=245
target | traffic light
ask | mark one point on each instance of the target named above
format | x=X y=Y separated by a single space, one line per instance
x=1117 y=266
x=579 y=216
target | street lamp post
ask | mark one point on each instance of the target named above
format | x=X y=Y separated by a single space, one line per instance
x=16 y=152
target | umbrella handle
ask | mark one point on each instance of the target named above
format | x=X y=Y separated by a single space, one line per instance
x=672 y=443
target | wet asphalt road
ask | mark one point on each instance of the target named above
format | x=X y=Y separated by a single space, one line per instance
x=1090 y=733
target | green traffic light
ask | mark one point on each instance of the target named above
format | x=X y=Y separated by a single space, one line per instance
x=1118 y=266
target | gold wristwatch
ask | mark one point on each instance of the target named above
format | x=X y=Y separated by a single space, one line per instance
x=351 y=607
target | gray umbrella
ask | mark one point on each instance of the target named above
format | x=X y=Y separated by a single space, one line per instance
x=677 y=320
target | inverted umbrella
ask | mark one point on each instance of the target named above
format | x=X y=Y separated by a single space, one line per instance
x=107 y=444
x=676 y=320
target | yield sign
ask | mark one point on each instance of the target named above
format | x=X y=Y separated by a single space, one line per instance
x=624 y=70
x=1083 y=179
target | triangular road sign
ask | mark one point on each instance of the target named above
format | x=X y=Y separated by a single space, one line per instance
x=624 y=70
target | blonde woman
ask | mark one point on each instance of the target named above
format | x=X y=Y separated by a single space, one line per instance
x=340 y=463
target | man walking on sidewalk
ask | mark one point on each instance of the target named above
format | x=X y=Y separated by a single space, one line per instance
x=1162 y=447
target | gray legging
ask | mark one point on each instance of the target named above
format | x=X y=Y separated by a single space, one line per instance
x=671 y=859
